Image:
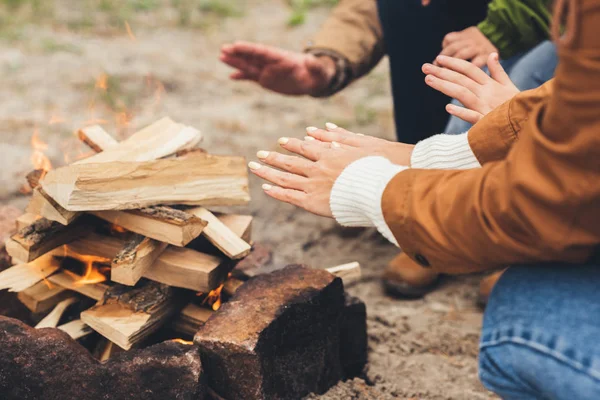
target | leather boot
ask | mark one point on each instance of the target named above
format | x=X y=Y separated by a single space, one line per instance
x=486 y=285
x=405 y=278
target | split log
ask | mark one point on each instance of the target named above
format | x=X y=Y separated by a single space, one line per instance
x=189 y=269
x=42 y=296
x=44 y=205
x=198 y=180
x=106 y=350
x=241 y=225
x=26 y=220
x=220 y=235
x=52 y=319
x=42 y=236
x=128 y=315
x=23 y=276
x=277 y=338
x=76 y=329
x=96 y=138
x=164 y=224
x=160 y=139
x=137 y=255
x=63 y=369
x=191 y=318
x=67 y=281
x=176 y=266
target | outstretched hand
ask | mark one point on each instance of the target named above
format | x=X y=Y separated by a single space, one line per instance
x=278 y=70
x=307 y=181
x=462 y=80
x=469 y=44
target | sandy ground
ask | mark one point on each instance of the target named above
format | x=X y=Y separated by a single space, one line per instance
x=420 y=349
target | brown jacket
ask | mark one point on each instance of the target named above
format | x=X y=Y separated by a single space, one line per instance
x=537 y=195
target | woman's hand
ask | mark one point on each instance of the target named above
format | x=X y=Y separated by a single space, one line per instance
x=397 y=153
x=305 y=181
x=465 y=82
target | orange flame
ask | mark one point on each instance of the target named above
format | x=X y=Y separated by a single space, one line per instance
x=213 y=298
x=102 y=82
x=38 y=158
x=182 y=341
x=93 y=273
x=114 y=228
x=129 y=31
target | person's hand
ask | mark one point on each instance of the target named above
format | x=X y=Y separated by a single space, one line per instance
x=305 y=181
x=478 y=92
x=279 y=70
x=397 y=153
x=469 y=44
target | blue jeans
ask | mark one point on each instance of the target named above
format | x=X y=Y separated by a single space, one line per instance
x=541 y=333
x=527 y=71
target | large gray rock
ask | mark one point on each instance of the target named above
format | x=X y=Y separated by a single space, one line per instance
x=277 y=338
x=48 y=364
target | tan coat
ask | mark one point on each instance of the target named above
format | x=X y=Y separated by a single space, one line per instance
x=537 y=196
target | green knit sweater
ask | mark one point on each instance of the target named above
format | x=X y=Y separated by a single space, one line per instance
x=514 y=26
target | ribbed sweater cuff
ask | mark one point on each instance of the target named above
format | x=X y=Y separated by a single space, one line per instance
x=444 y=152
x=356 y=195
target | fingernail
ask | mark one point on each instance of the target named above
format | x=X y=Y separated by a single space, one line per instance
x=312 y=129
x=330 y=125
x=360 y=134
x=254 y=165
x=335 y=145
x=309 y=138
x=283 y=140
x=262 y=154
x=266 y=186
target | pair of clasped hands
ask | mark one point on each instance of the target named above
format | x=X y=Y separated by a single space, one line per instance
x=305 y=178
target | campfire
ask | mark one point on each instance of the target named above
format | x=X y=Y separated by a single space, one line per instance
x=119 y=251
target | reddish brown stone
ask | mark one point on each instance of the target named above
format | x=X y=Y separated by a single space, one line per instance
x=277 y=338
x=258 y=262
x=48 y=364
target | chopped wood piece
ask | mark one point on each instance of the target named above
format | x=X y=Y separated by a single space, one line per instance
x=93 y=290
x=348 y=273
x=188 y=269
x=96 y=138
x=106 y=350
x=241 y=225
x=51 y=320
x=128 y=315
x=176 y=266
x=26 y=219
x=162 y=138
x=43 y=205
x=76 y=329
x=40 y=237
x=165 y=224
x=191 y=318
x=136 y=257
x=206 y=180
x=219 y=234
x=42 y=296
x=23 y=276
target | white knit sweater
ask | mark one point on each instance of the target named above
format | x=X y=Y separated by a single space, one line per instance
x=356 y=195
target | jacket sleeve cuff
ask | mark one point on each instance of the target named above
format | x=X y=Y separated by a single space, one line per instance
x=444 y=152
x=356 y=194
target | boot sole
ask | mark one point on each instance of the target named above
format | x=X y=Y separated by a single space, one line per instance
x=401 y=289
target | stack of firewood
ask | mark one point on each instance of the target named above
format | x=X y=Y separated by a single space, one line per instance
x=133 y=219
x=137 y=187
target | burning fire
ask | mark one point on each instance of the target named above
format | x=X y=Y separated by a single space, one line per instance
x=94 y=273
x=38 y=158
x=182 y=341
x=213 y=298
